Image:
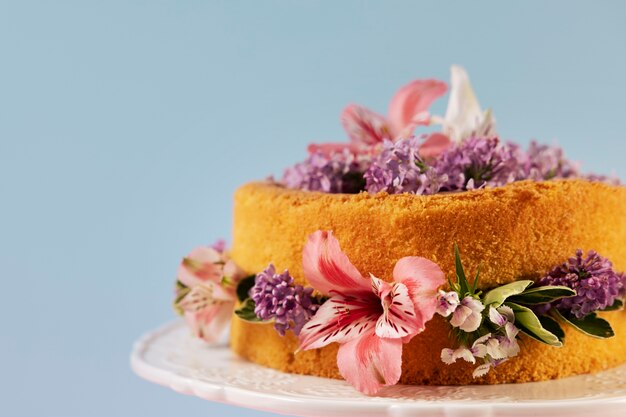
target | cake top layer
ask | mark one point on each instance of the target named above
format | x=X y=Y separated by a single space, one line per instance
x=513 y=232
x=524 y=188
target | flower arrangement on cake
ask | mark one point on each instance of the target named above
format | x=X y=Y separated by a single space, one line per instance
x=367 y=236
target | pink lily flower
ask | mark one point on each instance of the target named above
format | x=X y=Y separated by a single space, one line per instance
x=210 y=296
x=371 y=319
x=408 y=109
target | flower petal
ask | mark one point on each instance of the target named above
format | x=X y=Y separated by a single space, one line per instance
x=465 y=354
x=363 y=126
x=481 y=370
x=422 y=279
x=447 y=302
x=494 y=349
x=479 y=351
x=204 y=296
x=368 y=363
x=328 y=269
x=448 y=356
x=208 y=324
x=340 y=319
x=496 y=317
x=409 y=106
x=507 y=312
x=464 y=116
x=201 y=265
x=398 y=319
x=434 y=145
x=467 y=316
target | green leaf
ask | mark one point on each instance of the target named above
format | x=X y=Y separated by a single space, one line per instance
x=542 y=295
x=528 y=322
x=181 y=291
x=616 y=306
x=461 y=278
x=244 y=288
x=591 y=324
x=246 y=311
x=552 y=326
x=498 y=295
x=475 y=283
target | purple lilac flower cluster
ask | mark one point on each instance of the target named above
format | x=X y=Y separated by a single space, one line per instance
x=337 y=172
x=277 y=298
x=596 y=284
x=397 y=167
x=477 y=162
x=543 y=162
x=400 y=169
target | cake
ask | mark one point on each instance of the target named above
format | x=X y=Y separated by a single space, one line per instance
x=448 y=258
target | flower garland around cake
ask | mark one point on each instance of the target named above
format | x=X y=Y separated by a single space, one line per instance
x=385 y=153
x=371 y=319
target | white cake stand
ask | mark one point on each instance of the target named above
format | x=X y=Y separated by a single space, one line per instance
x=171 y=357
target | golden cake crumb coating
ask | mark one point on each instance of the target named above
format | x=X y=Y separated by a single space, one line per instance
x=519 y=231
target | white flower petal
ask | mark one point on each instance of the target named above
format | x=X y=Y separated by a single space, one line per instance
x=481 y=370
x=464 y=117
x=471 y=323
x=465 y=354
x=447 y=356
x=494 y=349
x=479 y=351
x=507 y=312
x=496 y=318
x=474 y=304
x=460 y=315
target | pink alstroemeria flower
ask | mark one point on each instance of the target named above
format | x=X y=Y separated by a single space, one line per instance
x=371 y=319
x=210 y=278
x=408 y=109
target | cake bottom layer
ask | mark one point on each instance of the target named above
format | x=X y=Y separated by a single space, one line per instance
x=421 y=363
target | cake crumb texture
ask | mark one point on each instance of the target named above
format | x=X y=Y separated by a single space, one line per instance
x=421 y=363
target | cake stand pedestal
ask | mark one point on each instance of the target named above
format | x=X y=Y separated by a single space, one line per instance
x=170 y=356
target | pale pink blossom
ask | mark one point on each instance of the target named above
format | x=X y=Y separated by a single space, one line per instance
x=371 y=319
x=210 y=279
x=467 y=316
x=408 y=109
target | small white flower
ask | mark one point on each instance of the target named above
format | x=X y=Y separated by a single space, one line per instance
x=447 y=302
x=478 y=350
x=467 y=316
x=502 y=315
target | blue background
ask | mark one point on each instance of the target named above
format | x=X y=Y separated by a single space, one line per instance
x=125 y=127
